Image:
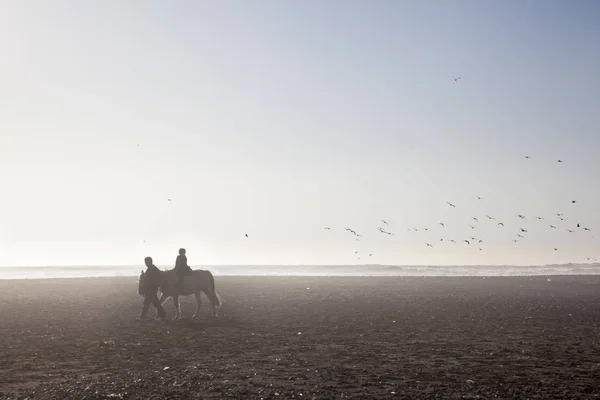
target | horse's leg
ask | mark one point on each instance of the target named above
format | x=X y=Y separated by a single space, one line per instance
x=177 y=307
x=198 y=304
x=212 y=297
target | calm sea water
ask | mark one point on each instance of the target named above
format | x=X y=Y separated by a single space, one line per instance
x=306 y=270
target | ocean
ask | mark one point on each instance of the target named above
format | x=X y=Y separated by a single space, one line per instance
x=308 y=270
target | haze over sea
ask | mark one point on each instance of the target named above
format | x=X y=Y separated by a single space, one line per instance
x=47 y=272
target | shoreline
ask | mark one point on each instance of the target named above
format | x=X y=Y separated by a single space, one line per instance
x=316 y=276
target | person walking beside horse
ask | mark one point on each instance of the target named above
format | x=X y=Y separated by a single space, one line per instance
x=148 y=288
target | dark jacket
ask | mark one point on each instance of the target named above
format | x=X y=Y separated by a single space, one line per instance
x=181 y=266
x=152 y=280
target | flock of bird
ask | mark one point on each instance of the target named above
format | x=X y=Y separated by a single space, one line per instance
x=520 y=233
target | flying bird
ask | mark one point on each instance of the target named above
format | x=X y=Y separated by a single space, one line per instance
x=327 y=228
x=168 y=199
x=527 y=157
x=523 y=230
x=559 y=215
x=246 y=235
x=476 y=220
x=480 y=249
x=450 y=204
x=479 y=198
x=560 y=161
x=457 y=78
x=442 y=224
x=490 y=218
x=579 y=226
x=586 y=229
x=384 y=221
x=467 y=241
x=428 y=244
x=500 y=223
x=472 y=227
x=552 y=226
x=521 y=216
x=573 y=201
x=521 y=236
x=539 y=217
x=570 y=231
x=453 y=241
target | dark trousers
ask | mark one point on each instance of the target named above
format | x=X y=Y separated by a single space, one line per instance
x=151 y=298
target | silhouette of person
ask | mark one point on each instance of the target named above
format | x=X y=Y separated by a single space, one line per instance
x=181 y=268
x=151 y=283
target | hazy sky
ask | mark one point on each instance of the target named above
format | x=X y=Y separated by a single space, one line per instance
x=278 y=118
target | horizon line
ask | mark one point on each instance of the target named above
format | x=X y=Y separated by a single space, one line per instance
x=303 y=265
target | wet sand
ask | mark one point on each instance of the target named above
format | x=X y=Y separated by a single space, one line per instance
x=305 y=338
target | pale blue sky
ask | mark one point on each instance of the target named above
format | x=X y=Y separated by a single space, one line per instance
x=277 y=118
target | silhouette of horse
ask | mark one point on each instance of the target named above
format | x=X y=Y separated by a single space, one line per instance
x=195 y=283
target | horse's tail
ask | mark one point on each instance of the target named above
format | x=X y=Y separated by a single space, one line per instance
x=216 y=298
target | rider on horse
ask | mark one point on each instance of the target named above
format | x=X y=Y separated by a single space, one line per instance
x=182 y=268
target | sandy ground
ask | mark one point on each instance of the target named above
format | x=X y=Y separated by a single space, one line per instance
x=306 y=338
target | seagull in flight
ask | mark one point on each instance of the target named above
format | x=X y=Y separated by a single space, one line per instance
x=327 y=228
x=479 y=198
x=552 y=226
x=428 y=244
x=472 y=227
x=456 y=78
x=523 y=230
x=246 y=235
x=384 y=221
x=570 y=231
x=527 y=157
x=453 y=241
x=586 y=229
x=539 y=217
x=521 y=216
x=450 y=204
x=559 y=161
x=490 y=218
x=476 y=220
x=521 y=236
x=467 y=241
x=442 y=224
x=168 y=199
x=500 y=223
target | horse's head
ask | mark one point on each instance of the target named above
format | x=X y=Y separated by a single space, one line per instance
x=141 y=284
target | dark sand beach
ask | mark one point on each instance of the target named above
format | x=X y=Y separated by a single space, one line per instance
x=306 y=338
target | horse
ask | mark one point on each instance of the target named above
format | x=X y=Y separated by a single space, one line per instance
x=195 y=283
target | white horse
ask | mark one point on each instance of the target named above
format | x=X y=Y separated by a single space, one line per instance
x=195 y=283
